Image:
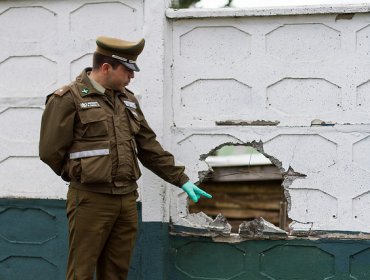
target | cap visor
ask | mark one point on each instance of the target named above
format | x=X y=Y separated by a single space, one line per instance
x=131 y=66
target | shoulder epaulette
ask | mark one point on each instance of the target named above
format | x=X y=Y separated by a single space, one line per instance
x=62 y=91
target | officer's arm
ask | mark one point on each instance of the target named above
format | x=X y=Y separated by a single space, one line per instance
x=154 y=157
x=161 y=162
x=56 y=133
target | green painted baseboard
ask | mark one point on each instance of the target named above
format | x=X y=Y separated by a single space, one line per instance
x=33 y=245
x=300 y=259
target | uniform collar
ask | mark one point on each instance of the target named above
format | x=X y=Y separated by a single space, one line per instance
x=88 y=86
x=85 y=87
x=96 y=85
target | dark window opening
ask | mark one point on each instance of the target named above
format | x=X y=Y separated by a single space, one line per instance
x=245 y=185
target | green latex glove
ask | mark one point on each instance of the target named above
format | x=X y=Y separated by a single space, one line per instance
x=194 y=192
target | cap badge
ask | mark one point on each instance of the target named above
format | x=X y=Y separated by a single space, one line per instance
x=123 y=59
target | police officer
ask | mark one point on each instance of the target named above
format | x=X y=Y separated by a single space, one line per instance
x=92 y=134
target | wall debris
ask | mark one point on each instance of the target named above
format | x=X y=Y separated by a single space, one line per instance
x=199 y=224
x=260 y=228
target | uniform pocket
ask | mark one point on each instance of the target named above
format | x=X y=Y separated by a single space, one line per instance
x=96 y=169
x=94 y=122
x=91 y=163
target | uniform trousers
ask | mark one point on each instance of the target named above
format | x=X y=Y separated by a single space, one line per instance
x=102 y=232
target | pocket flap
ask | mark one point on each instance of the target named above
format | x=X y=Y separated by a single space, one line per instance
x=92 y=115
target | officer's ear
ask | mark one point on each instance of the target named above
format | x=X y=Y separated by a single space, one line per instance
x=105 y=68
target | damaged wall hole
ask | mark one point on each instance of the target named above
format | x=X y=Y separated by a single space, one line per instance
x=245 y=185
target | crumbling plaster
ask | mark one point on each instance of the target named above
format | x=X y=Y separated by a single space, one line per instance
x=317 y=163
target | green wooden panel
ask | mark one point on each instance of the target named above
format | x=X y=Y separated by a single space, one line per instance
x=34 y=241
x=33 y=245
x=27 y=225
x=360 y=264
x=27 y=268
x=194 y=259
x=298 y=259
x=285 y=262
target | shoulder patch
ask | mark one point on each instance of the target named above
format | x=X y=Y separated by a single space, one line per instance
x=62 y=91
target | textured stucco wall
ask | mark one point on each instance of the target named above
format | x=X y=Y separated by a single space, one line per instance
x=44 y=45
x=290 y=70
x=289 y=66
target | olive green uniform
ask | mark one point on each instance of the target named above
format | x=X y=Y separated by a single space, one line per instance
x=94 y=140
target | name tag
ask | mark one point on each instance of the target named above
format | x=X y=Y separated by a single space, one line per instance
x=130 y=104
x=91 y=104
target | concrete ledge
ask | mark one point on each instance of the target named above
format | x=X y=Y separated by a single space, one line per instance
x=269 y=11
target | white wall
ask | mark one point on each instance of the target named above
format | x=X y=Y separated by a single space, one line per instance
x=44 y=45
x=198 y=67
x=268 y=65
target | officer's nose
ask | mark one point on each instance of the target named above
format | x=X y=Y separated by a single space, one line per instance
x=130 y=73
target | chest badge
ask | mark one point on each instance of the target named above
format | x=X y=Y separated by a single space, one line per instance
x=85 y=91
x=91 y=104
x=130 y=104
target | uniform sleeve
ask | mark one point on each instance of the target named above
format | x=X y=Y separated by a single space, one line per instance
x=155 y=158
x=56 y=132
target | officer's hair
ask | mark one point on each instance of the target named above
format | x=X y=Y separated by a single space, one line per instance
x=99 y=60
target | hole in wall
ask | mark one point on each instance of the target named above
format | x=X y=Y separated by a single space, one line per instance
x=245 y=185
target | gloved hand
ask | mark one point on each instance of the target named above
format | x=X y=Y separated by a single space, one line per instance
x=194 y=192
